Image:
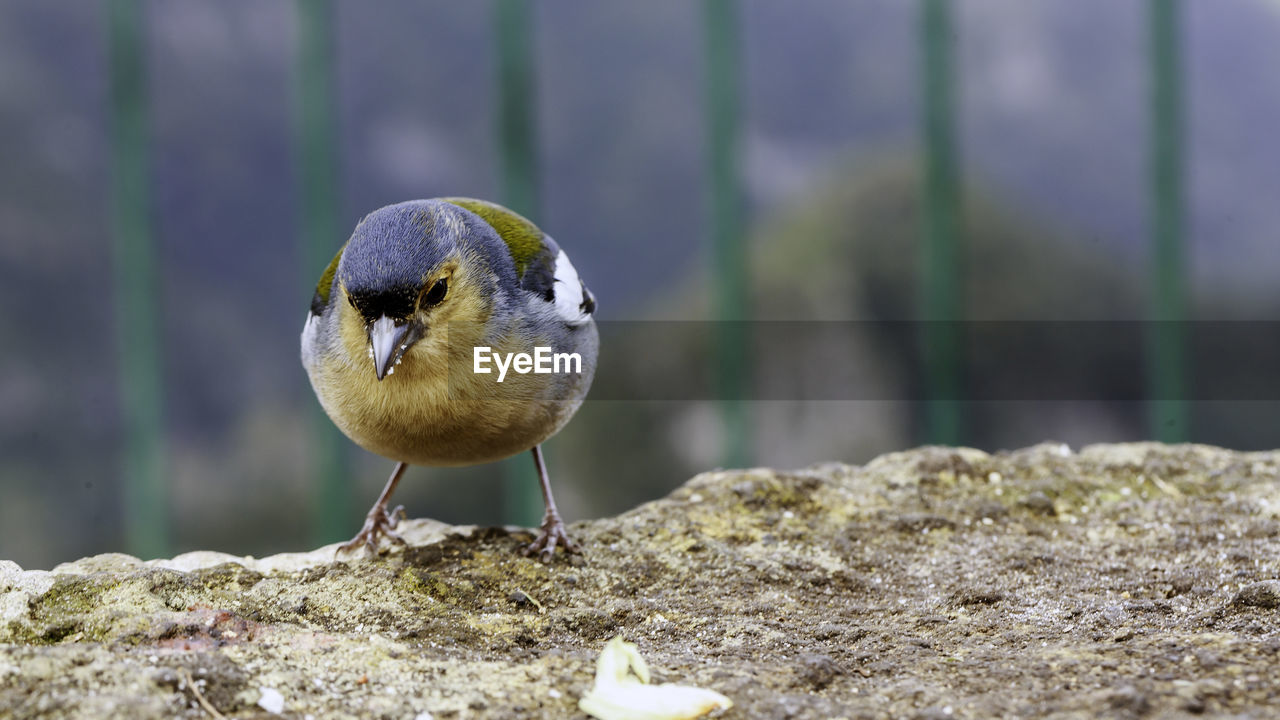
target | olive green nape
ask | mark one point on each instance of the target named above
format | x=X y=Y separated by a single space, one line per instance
x=522 y=237
x=325 y=286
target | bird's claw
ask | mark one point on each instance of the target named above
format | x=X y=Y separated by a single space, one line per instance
x=378 y=523
x=552 y=533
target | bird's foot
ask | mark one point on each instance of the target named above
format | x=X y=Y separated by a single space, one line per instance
x=553 y=533
x=378 y=523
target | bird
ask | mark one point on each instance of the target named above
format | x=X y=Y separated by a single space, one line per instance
x=401 y=318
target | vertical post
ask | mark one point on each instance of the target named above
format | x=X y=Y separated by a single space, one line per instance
x=318 y=220
x=940 y=269
x=728 y=250
x=137 y=324
x=1166 y=351
x=516 y=139
x=516 y=124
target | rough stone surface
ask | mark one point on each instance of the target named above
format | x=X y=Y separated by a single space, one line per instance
x=1122 y=581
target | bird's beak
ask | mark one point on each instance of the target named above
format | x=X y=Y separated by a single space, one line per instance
x=389 y=342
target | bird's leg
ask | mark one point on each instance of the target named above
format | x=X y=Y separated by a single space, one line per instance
x=379 y=521
x=553 y=532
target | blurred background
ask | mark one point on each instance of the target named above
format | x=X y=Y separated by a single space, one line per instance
x=818 y=230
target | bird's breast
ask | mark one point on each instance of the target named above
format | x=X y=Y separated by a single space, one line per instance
x=439 y=408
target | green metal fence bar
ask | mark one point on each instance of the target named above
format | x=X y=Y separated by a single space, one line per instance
x=940 y=271
x=1167 y=354
x=519 y=172
x=316 y=153
x=516 y=107
x=137 y=325
x=730 y=301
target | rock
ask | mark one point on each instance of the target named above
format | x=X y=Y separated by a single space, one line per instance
x=1130 y=701
x=817 y=670
x=1264 y=594
x=1038 y=502
x=834 y=591
x=977 y=596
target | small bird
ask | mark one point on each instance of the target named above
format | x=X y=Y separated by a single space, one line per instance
x=401 y=320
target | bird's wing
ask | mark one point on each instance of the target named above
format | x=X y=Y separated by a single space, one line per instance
x=320 y=300
x=542 y=268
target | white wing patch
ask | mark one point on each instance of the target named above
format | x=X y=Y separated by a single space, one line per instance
x=309 y=330
x=568 y=292
x=310 y=341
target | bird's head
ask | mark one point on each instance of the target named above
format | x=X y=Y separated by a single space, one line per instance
x=408 y=269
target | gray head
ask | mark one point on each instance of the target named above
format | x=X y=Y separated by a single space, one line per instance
x=400 y=263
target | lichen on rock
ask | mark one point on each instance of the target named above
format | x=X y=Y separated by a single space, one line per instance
x=1121 y=580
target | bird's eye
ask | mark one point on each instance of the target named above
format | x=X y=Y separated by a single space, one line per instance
x=436 y=293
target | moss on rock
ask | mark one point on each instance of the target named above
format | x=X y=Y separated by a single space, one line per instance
x=1122 y=580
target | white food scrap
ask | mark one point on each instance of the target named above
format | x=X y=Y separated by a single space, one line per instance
x=622 y=691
